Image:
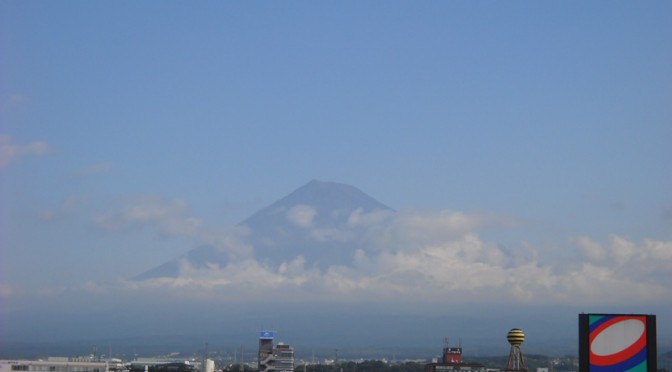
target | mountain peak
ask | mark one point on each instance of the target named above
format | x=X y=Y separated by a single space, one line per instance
x=325 y=198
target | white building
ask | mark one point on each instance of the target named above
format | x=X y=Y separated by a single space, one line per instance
x=208 y=365
x=59 y=365
x=284 y=358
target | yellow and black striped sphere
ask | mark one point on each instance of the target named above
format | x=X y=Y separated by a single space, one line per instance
x=515 y=337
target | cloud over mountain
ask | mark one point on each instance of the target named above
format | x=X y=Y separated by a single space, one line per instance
x=329 y=241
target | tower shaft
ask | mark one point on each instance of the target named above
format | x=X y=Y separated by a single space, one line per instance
x=516 y=360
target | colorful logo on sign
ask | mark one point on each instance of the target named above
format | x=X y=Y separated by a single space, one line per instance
x=617 y=343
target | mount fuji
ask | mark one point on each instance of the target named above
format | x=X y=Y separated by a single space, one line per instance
x=322 y=222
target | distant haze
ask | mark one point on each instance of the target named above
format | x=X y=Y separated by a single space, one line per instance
x=329 y=266
x=351 y=174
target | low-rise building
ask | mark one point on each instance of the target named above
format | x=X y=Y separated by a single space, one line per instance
x=53 y=365
x=451 y=360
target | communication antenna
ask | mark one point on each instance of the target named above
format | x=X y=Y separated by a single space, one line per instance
x=242 y=358
x=205 y=358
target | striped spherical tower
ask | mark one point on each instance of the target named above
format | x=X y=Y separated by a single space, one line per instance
x=516 y=360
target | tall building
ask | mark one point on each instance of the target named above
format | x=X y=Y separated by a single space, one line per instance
x=265 y=355
x=280 y=358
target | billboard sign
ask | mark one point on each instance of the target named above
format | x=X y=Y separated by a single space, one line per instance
x=266 y=335
x=617 y=343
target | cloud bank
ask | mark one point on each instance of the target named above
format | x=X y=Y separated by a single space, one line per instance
x=421 y=256
x=417 y=268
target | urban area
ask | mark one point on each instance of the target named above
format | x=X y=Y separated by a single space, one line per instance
x=274 y=356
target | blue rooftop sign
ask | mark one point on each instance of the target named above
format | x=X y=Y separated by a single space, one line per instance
x=266 y=335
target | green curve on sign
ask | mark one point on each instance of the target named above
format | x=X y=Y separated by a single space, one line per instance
x=594 y=318
x=641 y=367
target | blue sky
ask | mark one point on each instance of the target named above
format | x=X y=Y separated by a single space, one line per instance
x=555 y=115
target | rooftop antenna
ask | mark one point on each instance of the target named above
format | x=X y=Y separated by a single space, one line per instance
x=205 y=358
x=242 y=357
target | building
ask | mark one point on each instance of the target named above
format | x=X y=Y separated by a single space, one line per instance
x=53 y=365
x=284 y=357
x=208 y=365
x=451 y=360
x=265 y=354
x=161 y=365
x=452 y=355
x=280 y=358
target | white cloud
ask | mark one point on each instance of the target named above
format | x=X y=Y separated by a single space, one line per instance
x=592 y=250
x=361 y=218
x=622 y=250
x=301 y=215
x=243 y=280
x=413 y=229
x=469 y=269
x=9 y=151
x=660 y=252
x=423 y=257
x=647 y=261
x=169 y=216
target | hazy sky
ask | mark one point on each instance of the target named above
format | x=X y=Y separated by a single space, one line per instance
x=553 y=119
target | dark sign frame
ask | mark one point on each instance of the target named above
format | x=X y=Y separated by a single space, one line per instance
x=584 y=342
